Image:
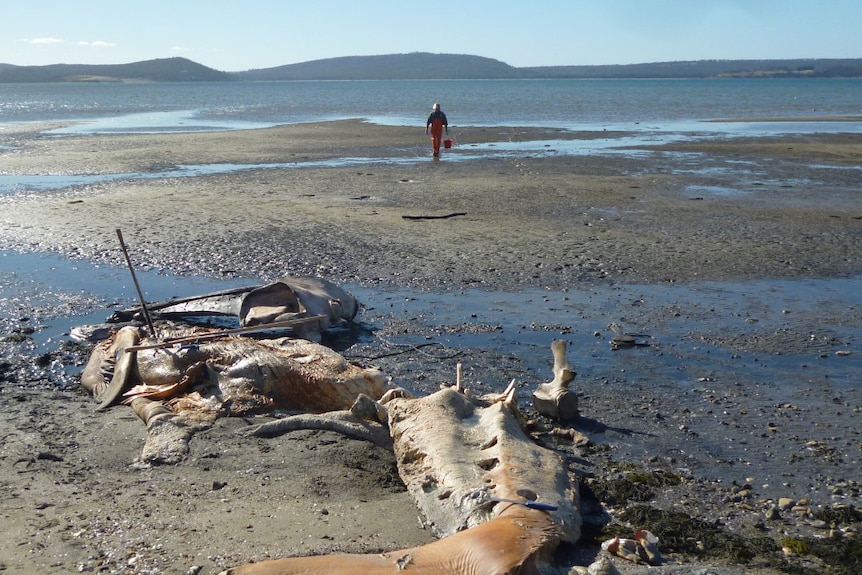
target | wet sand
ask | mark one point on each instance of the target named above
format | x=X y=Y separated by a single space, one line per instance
x=742 y=209
x=675 y=215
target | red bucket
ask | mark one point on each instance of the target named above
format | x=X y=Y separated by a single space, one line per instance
x=447 y=144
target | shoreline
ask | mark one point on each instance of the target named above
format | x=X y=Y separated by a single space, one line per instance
x=791 y=119
x=586 y=236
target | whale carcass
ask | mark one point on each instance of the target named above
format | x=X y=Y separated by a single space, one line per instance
x=499 y=502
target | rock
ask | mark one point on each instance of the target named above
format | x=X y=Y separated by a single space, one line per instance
x=785 y=503
x=772 y=514
x=603 y=566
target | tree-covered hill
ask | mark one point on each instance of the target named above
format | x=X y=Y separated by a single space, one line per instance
x=416 y=65
x=424 y=65
x=160 y=70
x=799 y=68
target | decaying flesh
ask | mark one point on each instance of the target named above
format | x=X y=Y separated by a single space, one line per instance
x=518 y=541
x=458 y=457
x=225 y=376
x=231 y=375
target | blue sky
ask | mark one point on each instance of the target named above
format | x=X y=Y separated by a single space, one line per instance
x=232 y=36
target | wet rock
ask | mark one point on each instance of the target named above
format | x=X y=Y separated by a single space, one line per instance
x=48 y=456
x=772 y=514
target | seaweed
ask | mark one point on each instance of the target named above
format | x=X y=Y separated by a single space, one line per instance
x=797 y=546
x=839 y=515
x=636 y=486
x=681 y=533
x=621 y=490
x=843 y=556
x=684 y=534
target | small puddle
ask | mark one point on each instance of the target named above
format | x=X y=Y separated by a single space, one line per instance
x=697 y=192
x=155 y=123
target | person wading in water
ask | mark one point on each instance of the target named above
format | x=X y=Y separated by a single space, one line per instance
x=436 y=123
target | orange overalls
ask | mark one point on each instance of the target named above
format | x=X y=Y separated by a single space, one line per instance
x=437 y=121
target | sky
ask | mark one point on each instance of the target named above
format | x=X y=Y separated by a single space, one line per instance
x=231 y=36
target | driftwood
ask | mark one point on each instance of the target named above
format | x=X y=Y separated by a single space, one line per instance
x=445 y=217
x=276 y=325
x=555 y=399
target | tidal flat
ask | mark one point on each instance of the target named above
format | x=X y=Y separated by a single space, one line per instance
x=739 y=259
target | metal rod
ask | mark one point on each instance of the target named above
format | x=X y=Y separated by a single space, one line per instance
x=137 y=286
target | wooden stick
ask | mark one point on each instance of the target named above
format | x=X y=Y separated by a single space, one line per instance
x=227 y=332
x=137 y=286
x=447 y=216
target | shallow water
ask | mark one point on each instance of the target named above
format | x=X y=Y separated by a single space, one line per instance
x=529 y=318
x=621 y=146
x=726 y=365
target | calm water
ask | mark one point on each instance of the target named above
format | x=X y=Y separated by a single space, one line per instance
x=572 y=104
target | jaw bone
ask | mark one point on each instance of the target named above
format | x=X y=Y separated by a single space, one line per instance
x=555 y=399
x=457 y=454
x=460 y=457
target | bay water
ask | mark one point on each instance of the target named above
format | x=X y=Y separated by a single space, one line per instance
x=569 y=104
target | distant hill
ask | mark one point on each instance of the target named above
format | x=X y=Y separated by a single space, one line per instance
x=160 y=70
x=417 y=65
x=424 y=65
x=800 y=68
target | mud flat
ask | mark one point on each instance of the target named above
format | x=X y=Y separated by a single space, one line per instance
x=739 y=258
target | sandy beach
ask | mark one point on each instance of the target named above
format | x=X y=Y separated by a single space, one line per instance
x=669 y=216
